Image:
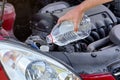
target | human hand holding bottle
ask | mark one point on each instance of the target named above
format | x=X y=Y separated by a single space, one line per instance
x=74 y=15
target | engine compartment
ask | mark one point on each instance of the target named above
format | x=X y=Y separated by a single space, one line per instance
x=42 y=23
x=97 y=50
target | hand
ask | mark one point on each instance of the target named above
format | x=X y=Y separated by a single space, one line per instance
x=74 y=15
x=4 y=33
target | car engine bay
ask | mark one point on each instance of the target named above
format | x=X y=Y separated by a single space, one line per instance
x=42 y=23
x=100 y=49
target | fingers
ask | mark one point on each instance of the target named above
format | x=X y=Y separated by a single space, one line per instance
x=76 y=22
x=76 y=25
x=66 y=17
x=76 y=19
x=59 y=21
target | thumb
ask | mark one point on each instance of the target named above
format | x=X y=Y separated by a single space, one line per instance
x=63 y=18
x=60 y=20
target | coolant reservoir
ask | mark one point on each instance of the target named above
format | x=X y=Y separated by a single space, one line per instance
x=8 y=17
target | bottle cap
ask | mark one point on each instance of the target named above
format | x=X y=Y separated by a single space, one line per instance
x=44 y=48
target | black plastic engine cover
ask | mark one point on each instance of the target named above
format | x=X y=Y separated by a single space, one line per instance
x=43 y=22
x=98 y=13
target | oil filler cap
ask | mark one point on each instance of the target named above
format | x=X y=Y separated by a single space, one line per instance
x=115 y=34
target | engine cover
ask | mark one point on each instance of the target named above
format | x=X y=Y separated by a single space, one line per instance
x=100 y=12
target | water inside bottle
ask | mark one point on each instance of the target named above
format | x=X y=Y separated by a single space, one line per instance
x=64 y=34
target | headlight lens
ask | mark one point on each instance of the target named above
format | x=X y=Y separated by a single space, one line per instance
x=39 y=70
x=22 y=63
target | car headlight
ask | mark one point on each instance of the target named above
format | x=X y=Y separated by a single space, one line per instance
x=21 y=63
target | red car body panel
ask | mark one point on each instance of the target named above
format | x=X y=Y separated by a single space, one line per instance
x=8 y=17
x=3 y=75
x=106 y=76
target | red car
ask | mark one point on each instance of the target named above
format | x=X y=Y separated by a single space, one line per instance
x=96 y=57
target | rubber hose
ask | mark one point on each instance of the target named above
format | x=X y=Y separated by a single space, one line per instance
x=95 y=35
x=101 y=32
x=93 y=46
x=109 y=28
x=90 y=39
x=109 y=25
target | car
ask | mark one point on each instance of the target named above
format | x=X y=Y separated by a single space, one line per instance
x=96 y=57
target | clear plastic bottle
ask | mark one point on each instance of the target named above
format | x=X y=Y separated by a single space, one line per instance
x=63 y=34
